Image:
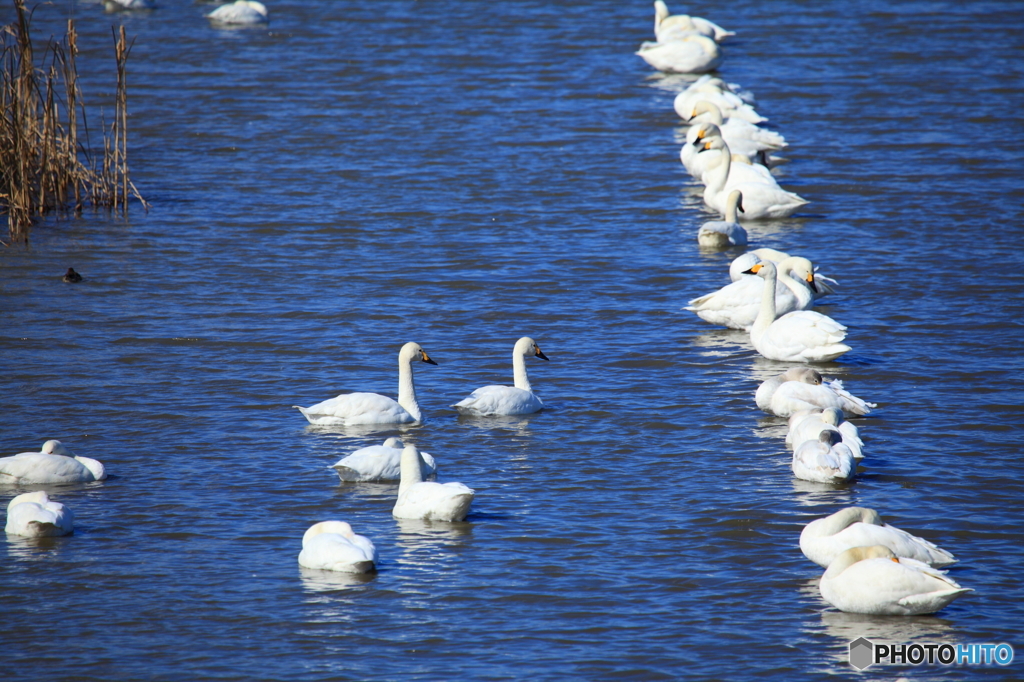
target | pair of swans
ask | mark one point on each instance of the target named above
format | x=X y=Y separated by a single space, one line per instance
x=807 y=425
x=240 y=13
x=373 y=408
x=54 y=464
x=740 y=264
x=762 y=196
x=743 y=137
x=33 y=515
x=721 y=234
x=802 y=388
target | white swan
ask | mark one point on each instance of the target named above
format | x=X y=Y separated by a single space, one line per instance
x=808 y=424
x=826 y=460
x=691 y=54
x=116 y=5
x=508 y=400
x=667 y=26
x=419 y=499
x=740 y=264
x=767 y=388
x=240 y=13
x=721 y=234
x=373 y=408
x=379 y=463
x=786 y=400
x=761 y=199
x=54 y=464
x=873 y=580
x=698 y=164
x=742 y=136
x=332 y=546
x=822 y=540
x=35 y=516
x=737 y=304
x=716 y=92
x=802 y=336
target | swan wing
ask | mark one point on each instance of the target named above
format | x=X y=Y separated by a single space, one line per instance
x=500 y=400
x=334 y=552
x=357 y=408
x=803 y=336
x=38 y=468
x=40 y=519
x=849 y=403
x=436 y=501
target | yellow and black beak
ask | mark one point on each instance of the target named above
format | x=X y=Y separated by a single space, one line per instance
x=426 y=358
x=700 y=138
x=538 y=352
x=754 y=270
x=739 y=205
x=810 y=281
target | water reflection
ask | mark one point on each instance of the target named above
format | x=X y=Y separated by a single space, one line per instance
x=420 y=539
x=36 y=549
x=381 y=431
x=516 y=424
x=315 y=580
x=671 y=82
x=847 y=627
x=814 y=494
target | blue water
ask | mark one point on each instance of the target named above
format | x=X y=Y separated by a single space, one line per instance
x=359 y=175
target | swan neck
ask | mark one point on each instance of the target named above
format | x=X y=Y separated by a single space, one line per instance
x=411 y=470
x=407 y=389
x=730 y=208
x=766 y=313
x=519 y=375
x=718 y=174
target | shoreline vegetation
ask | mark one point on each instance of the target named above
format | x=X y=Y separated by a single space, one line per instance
x=46 y=164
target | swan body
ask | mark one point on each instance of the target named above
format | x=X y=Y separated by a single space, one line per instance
x=33 y=515
x=762 y=198
x=667 y=26
x=742 y=168
x=807 y=425
x=240 y=13
x=373 y=408
x=767 y=388
x=741 y=136
x=826 y=460
x=508 y=400
x=822 y=540
x=802 y=336
x=54 y=464
x=379 y=463
x=823 y=285
x=873 y=580
x=714 y=91
x=427 y=500
x=721 y=234
x=787 y=400
x=691 y=54
x=332 y=546
x=736 y=305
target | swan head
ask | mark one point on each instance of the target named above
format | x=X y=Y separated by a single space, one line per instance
x=802 y=374
x=339 y=527
x=829 y=437
x=804 y=269
x=527 y=347
x=765 y=269
x=735 y=199
x=831 y=415
x=395 y=443
x=413 y=351
x=39 y=497
x=660 y=11
x=715 y=142
x=55 y=447
x=704 y=133
x=705 y=107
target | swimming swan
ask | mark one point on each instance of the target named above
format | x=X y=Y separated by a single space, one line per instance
x=692 y=54
x=508 y=400
x=873 y=580
x=721 y=234
x=240 y=13
x=373 y=408
x=801 y=336
x=762 y=198
x=54 y=464
x=332 y=546
x=784 y=400
x=379 y=463
x=33 y=515
x=822 y=540
x=826 y=460
x=740 y=264
x=668 y=26
x=767 y=388
x=716 y=91
x=806 y=425
x=419 y=499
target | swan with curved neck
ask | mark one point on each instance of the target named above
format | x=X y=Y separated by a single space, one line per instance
x=333 y=546
x=508 y=400
x=721 y=234
x=427 y=500
x=822 y=540
x=55 y=463
x=373 y=408
x=801 y=336
x=761 y=199
x=826 y=460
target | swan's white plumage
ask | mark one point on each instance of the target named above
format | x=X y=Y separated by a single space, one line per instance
x=807 y=425
x=822 y=540
x=762 y=197
x=426 y=500
x=739 y=265
x=691 y=54
x=54 y=464
x=826 y=460
x=670 y=26
x=240 y=13
x=332 y=546
x=721 y=234
x=767 y=388
x=873 y=580
x=33 y=515
x=372 y=408
x=741 y=136
x=508 y=400
x=719 y=93
x=128 y=4
x=788 y=399
x=379 y=463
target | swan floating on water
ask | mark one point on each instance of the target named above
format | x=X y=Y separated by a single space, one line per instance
x=373 y=408
x=33 y=515
x=826 y=460
x=873 y=580
x=378 y=463
x=740 y=264
x=721 y=234
x=762 y=196
x=332 y=546
x=742 y=136
x=54 y=464
x=240 y=13
x=716 y=91
x=427 y=500
x=508 y=400
x=692 y=54
x=822 y=540
x=117 y=5
x=807 y=425
x=667 y=27
x=801 y=388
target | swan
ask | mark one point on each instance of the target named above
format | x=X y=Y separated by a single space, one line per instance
x=786 y=400
x=426 y=500
x=736 y=305
x=721 y=234
x=714 y=91
x=508 y=400
x=379 y=463
x=72 y=277
x=873 y=580
x=741 y=136
x=373 y=408
x=691 y=54
x=332 y=546
x=801 y=336
x=53 y=464
x=240 y=13
x=697 y=164
x=822 y=540
x=808 y=424
x=767 y=388
x=826 y=460
x=33 y=515
x=761 y=200
x=737 y=268
x=666 y=26
x=116 y=5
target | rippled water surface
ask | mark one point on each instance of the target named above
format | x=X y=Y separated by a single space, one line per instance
x=360 y=175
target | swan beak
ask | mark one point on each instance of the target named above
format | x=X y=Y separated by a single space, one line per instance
x=739 y=205
x=426 y=358
x=896 y=560
x=700 y=139
x=538 y=352
x=707 y=146
x=754 y=270
x=810 y=280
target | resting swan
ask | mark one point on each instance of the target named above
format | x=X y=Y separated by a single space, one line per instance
x=741 y=136
x=873 y=580
x=740 y=264
x=379 y=463
x=786 y=400
x=806 y=425
x=33 y=515
x=54 y=464
x=692 y=54
x=802 y=336
x=715 y=91
x=373 y=408
x=332 y=546
x=426 y=500
x=240 y=13
x=826 y=460
x=508 y=400
x=667 y=26
x=822 y=540
x=762 y=197
x=721 y=234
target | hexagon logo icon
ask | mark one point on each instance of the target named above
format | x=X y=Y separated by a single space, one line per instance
x=862 y=653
